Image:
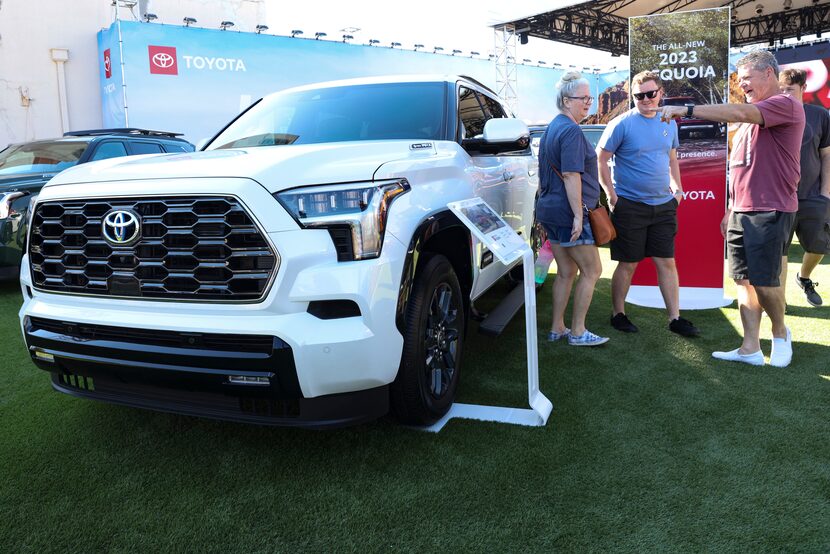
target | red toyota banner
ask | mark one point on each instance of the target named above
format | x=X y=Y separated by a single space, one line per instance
x=690 y=52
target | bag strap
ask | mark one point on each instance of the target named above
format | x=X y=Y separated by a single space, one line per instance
x=553 y=167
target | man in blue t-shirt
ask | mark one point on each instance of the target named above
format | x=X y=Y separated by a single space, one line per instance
x=644 y=198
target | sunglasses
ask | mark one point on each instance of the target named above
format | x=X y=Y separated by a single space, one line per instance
x=649 y=94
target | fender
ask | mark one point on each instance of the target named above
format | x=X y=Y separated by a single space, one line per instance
x=427 y=229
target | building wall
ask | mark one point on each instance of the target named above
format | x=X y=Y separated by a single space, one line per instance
x=30 y=30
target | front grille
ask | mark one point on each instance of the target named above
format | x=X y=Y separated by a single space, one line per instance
x=190 y=248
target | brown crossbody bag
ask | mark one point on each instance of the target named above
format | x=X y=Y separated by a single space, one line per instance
x=601 y=226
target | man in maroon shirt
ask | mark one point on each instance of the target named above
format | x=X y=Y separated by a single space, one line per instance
x=764 y=174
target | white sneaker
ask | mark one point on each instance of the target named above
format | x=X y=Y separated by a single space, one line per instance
x=756 y=358
x=782 y=351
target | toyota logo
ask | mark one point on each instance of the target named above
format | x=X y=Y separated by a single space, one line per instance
x=121 y=227
x=163 y=60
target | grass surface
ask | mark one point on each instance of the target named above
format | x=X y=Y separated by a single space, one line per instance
x=652 y=446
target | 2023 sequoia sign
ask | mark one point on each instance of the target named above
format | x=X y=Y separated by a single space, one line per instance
x=690 y=52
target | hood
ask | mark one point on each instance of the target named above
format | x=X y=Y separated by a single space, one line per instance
x=275 y=167
x=23 y=181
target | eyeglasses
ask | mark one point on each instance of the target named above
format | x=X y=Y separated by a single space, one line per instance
x=585 y=99
x=649 y=94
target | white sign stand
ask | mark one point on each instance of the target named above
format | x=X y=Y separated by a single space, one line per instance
x=507 y=245
x=691 y=298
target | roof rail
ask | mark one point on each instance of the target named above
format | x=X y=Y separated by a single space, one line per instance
x=121 y=131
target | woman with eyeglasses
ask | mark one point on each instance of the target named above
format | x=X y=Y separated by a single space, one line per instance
x=569 y=184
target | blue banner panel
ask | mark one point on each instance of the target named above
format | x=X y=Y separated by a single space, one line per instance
x=111 y=75
x=195 y=81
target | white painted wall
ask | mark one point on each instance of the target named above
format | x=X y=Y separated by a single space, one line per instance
x=30 y=105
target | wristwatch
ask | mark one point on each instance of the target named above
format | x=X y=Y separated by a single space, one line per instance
x=690 y=109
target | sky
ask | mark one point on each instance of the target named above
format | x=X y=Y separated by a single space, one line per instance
x=449 y=24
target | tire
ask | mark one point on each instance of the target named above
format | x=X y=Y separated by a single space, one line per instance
x=427 y=379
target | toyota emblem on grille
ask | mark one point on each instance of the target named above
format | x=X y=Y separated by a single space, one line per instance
x=121 y=227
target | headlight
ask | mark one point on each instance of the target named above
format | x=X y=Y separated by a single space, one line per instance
x=6 y=200
x=360 y=207
x=30 y=214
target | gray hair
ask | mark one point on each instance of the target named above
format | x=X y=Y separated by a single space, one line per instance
x=567 y=86
x=759 y=61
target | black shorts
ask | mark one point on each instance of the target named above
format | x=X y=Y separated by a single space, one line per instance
x=643 y=231
x=755 y=244
x=812 y=225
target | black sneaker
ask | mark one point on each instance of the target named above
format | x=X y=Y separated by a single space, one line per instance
x=683 y=327
x=620 y=322
x=809 y=288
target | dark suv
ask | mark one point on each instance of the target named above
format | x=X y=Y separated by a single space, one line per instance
x=26 y=167
x=687 y=126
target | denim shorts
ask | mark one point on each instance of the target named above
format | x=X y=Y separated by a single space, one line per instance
x=562 y=235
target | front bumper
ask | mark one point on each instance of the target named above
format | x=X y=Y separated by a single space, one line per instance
x=233 y=377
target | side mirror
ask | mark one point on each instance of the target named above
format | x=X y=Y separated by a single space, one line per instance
x=504 y=134
x=201 y=144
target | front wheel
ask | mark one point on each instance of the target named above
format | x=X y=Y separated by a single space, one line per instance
x=425 y=386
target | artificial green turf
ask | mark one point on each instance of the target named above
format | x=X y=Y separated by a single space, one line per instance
x=652 y=446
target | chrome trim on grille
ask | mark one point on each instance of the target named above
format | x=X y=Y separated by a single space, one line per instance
x=157 y=261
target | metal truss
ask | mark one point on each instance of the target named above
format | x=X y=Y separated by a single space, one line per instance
x=596 y=25
x=778 y=26
x=505 y=52
x=591 y=24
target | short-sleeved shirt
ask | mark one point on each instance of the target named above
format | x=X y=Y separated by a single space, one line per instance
x=564 y=146
x=764 y=166
x=641 y=147
x=816 y=136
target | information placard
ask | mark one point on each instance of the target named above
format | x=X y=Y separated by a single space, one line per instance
x=490 y=229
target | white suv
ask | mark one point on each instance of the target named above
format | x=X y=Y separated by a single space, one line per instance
x=302 y=270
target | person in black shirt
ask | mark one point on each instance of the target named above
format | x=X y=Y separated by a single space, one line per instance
x=812 y=224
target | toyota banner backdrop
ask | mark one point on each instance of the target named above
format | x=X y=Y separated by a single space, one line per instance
x=195 y=81
x=690 y=51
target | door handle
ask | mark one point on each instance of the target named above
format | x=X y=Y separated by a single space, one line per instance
x=508 y=176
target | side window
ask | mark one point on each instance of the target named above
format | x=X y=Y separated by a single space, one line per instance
x=471 y=113
x=110 y=149
x=174 y=148
x=492 y=108
x=145 y=148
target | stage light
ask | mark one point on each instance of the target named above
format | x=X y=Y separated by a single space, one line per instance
x=526 y=60
x=260 y=28
x=540 y=62
x=148 y=17
x=188 y=21
x=417 y=46
x=788 y=4
x=523 y=38
x=394 y=44
x=373 y=41
x=759 y=9
x=437 y=49
x=473 y=53
x=454 y=52
x=347 y=37
x=319 y=35
x=226 y=25
x=296 y=32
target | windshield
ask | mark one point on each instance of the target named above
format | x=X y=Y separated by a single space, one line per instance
x=349 y=113
x=40 y=157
